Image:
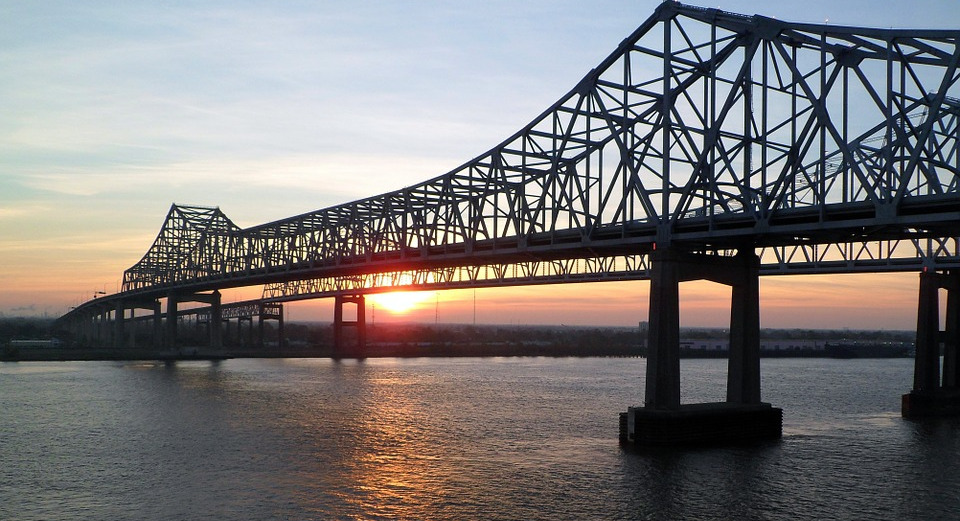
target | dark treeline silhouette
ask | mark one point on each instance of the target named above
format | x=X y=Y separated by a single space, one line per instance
x=315 y=339
x=24 y=328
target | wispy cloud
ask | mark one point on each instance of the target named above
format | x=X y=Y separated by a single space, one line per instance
x=13 y=210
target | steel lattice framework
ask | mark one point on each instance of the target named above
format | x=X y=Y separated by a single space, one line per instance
x=824 y=148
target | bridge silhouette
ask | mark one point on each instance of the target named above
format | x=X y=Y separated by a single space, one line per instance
x=708 y=145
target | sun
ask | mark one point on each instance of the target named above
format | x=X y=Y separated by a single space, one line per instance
x=399 y=302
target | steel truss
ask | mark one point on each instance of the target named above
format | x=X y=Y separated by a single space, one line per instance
x=860 y=257
x=825 y=148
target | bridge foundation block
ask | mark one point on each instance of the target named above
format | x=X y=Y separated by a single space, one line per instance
x=701 y=424
x=743 y=417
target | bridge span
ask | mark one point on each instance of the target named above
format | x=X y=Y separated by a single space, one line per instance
x=707 y=145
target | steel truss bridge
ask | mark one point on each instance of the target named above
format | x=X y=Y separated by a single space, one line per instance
x=813 y=148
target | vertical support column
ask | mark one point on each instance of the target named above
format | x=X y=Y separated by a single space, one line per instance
x=216 y=317
x=926 y=373
x=339 y=324
x=929 y=397
x=98 y=327
x=663 y=345
x=131 y=335
x=92 y=328
x=662 y=420
x=280 y=328
x=201 y=327
x=119 y=338
x=86 y=329
x=106 y=338
x=225 y=325
x=240 y=331
x=172 y=317
x=157 y=325
x=260 y=339
x=108 y=327
x=361 y=324
x=951 y=340
x=743 y=371
x=95 y=328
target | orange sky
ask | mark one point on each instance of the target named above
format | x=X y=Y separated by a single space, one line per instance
x=858 y=301
x=875 y=301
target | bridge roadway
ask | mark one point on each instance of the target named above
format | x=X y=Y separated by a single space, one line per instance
x=708 y=145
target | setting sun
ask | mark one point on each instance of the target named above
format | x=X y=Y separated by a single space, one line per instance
x=401 y=301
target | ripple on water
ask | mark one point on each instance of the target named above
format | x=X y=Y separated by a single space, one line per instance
x=452 y=439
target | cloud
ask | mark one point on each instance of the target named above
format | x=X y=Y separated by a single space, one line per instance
x=329 y=178
x=15 y=212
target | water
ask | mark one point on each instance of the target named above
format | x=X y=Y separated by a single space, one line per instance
x=438 y=439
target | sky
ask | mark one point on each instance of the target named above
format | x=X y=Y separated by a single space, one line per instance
x=111 y=111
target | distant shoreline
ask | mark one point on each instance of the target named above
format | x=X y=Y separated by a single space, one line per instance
x=68 y=354
x=34 y=340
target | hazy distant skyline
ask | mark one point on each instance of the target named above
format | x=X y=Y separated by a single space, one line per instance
x=115 y=110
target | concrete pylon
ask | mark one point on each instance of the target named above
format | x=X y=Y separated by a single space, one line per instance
x=340 y=325
x=951 y=336
x=926 y=369
x=119 y=336
x=216 y=317
x=172 y=317
x=743 y=370
x=742 y=274
x=932 y=396
x=663 y=420
x=663 y=344
x=926 y=375
x=157 y=325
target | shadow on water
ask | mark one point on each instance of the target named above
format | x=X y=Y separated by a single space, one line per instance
x=708 y=482
x=889 y=469
x=936 y=449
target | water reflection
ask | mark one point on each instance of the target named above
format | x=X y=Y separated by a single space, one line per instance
x=936 y=444
x=700 y=483
x=450 y=439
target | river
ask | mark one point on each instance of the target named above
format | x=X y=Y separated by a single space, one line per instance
x=453 y=439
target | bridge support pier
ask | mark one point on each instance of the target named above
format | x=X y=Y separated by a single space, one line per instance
x=270 y=312
x=86 y=329
x=119 y=326
x=103 y=326
x=173 y=315
x=931 y=395
x=342 y=347
x=742 y=417
x=248 y=341
x=157 y=325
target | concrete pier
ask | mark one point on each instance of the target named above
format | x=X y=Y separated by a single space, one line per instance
x=930 y=404
x=934 y=394
x=173 y=317
x=343 y=345
x=701 y=424
x=743 y=417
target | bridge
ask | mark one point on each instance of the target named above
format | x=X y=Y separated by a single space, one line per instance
x=707 y=145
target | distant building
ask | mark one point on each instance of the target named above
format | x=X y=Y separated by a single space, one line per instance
x=723 y=345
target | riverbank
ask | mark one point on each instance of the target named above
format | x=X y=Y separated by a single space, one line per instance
x=411 y=340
